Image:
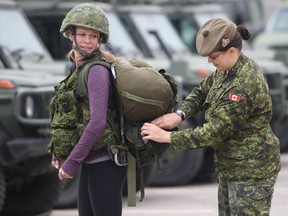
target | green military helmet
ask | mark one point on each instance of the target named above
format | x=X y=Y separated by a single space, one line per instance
x=88 y=16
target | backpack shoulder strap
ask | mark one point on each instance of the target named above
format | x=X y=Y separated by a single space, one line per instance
x=83 y=90
x=83 y=75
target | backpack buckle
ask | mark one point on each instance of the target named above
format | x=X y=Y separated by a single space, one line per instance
x=121 y=159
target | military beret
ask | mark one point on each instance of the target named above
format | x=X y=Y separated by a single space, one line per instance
x=215 y=35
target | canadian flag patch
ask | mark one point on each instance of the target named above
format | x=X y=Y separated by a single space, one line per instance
x=234 y=97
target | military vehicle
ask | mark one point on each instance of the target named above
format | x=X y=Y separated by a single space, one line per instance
x=28 y=49
x=247 y=12
x=28 y=184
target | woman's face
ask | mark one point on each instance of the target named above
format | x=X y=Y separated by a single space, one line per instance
x=224 y=60
x=87 y=39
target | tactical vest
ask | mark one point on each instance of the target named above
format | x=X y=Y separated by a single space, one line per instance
x=70 y=114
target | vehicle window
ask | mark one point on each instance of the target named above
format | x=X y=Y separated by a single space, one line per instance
x=255 y=13
x=188 y=27
x=48 y=26
x=201 y=19
x=188 y=34
x=279 y=21
x=161 y=26
x=247 y=12
x=18 y=37
x=119 y=39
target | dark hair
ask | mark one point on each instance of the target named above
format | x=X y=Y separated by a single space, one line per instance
x=241 y=33
x=244 y=32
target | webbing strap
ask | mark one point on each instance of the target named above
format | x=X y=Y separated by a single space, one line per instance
x=131 y=180
x=135 y=136
x=142 y=185
x=83 y=76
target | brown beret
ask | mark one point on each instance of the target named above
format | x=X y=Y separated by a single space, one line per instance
x=215 y=35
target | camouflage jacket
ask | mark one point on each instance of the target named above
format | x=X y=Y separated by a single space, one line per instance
x=238 y=109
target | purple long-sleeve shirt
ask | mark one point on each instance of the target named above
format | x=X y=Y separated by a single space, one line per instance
x=99 y=88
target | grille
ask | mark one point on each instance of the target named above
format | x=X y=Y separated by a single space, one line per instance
x=32 y=106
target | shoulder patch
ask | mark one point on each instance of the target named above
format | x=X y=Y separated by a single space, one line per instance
x=234 y=97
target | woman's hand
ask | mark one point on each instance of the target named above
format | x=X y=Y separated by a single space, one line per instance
x=153 y=132
x=167 y=121
x=63 y=175
x=56 y=163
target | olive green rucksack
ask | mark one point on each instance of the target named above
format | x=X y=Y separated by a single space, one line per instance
x=142 y=94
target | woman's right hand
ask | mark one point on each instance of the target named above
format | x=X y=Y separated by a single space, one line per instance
x=167 y=121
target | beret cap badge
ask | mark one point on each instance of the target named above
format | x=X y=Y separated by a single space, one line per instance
x=225 y=41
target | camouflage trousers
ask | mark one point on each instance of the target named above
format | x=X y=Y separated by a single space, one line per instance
x=245 y=198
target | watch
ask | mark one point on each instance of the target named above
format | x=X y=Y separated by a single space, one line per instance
x=181 y=114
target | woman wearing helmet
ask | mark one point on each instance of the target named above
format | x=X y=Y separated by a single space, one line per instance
x=238 y=109
x=101 y=180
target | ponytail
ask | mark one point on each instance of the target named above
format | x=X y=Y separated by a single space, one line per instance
x=244 y=32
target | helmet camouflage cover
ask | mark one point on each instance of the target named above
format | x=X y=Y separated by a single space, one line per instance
x=88 y=16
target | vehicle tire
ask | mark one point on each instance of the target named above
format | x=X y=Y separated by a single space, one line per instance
x=34 y=198
x=178 y=168
x=2 y=188
x=280 y=130
x=283 y=136
x=68 y=193
x=182 y=166
x=3 y=139
x=206 y=172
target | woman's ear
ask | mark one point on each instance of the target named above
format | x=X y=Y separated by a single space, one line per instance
x=70 y=36
x=232 y=50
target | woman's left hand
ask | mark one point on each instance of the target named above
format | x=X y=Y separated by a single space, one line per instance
x=152 y=132
x=63 y=175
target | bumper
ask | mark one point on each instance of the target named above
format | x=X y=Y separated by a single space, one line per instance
x=20 y=149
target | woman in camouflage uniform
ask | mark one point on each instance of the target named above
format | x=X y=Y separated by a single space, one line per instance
x=238 y=109
x=101 y=180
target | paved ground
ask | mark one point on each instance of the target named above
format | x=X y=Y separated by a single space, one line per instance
x=194 y=200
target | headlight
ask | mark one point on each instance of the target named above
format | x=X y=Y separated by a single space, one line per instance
x=29 y=107
x=32 y=107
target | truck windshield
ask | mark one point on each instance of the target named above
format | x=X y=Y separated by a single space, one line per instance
x=161 y=25
x=19 y=38
x=119 y=40
x=189 y=26
x=279 y=21
x=202 y=18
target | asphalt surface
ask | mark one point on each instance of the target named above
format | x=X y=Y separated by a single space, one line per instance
x=194 y=200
